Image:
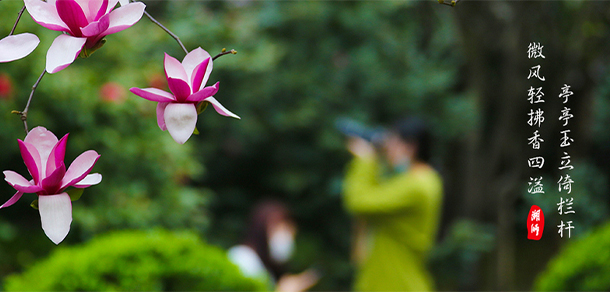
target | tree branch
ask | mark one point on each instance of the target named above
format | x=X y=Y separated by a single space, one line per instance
x=17 y=21
x=24 y=113
x=174 y=36
x=224 y=52
x=167 y=31
x=452 y=3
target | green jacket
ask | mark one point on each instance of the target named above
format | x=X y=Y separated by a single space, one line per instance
x=402 y=213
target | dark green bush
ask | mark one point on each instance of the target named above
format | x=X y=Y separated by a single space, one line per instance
x=454 y=261
x=135 y=260
x=583 y=264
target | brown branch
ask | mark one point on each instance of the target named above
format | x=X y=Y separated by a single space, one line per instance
x=224 y=52
x=175 y=37
x=452 y=3
x=24 y=113
x=17 y=21
x=167 y=31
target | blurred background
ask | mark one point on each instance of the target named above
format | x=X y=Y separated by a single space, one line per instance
x=300 y=66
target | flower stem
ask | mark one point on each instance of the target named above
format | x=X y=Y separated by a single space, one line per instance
x=24 y=113
x=17 y=21
x=224 y=52
x=167 y=31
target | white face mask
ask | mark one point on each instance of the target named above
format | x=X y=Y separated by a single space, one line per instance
x=281 y=245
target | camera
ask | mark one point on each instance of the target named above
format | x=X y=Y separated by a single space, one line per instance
x=351 y=127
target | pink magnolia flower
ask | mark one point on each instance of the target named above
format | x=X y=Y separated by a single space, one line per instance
x=177 y=111
x=44 y=155
x=17 y=46
x=86 y=22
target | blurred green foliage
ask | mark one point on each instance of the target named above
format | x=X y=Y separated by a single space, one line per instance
x=454 y=262
x=581 y=265
x=155 y=260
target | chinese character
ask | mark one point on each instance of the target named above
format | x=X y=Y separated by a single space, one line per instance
x=535 y=72
x=536 y=118
x=535 y=186
x=565 y=115
x=563 y=227
x=537 y=161
x=534 y=228
x=565 y=162
x=535 y=93
x=534 y=50
x=535 y=140
x=565 y=140
x=535 y=223
x=568 y=205
x=565 y=93
x=536 y=216
x=566 y=184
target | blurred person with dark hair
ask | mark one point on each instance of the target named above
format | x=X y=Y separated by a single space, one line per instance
x=268 y=246
x=401 y=211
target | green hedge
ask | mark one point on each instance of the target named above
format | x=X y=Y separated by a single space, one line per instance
x=583 y=264
x=135 y=260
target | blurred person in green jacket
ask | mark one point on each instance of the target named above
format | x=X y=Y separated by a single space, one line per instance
x=401 y=210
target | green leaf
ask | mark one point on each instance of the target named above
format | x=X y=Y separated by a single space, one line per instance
x=196 y=132
x=202 y=106
x=86 y=52
x=34 y=204
x=75 y=194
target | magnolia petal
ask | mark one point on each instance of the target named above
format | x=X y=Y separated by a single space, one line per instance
x=180 y=119
x=52 y=183
x=97 y=27
x=86 y=7
x=57 y=155
x=73 y=15
x=45 y=14
x=193 y=59
x=20 y=183
x=44 y=141
x=179 y=88
x=15 y=47
x=124 y=17
x=153 y=94
x=98 y=11
x=55 y=215
x=12 y=200
x=221 y=109
x=14 y=178
x=161 y=115
x=199 y=74
x=63 y=52
x=204 y=93
x=174 y=69
x=96 y=8
x=123 y=2
x=31 y=158
x=80 y=167
x=89 y=180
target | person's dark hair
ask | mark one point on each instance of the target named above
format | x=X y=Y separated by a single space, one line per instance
x=256 y=236
x=415 y=131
